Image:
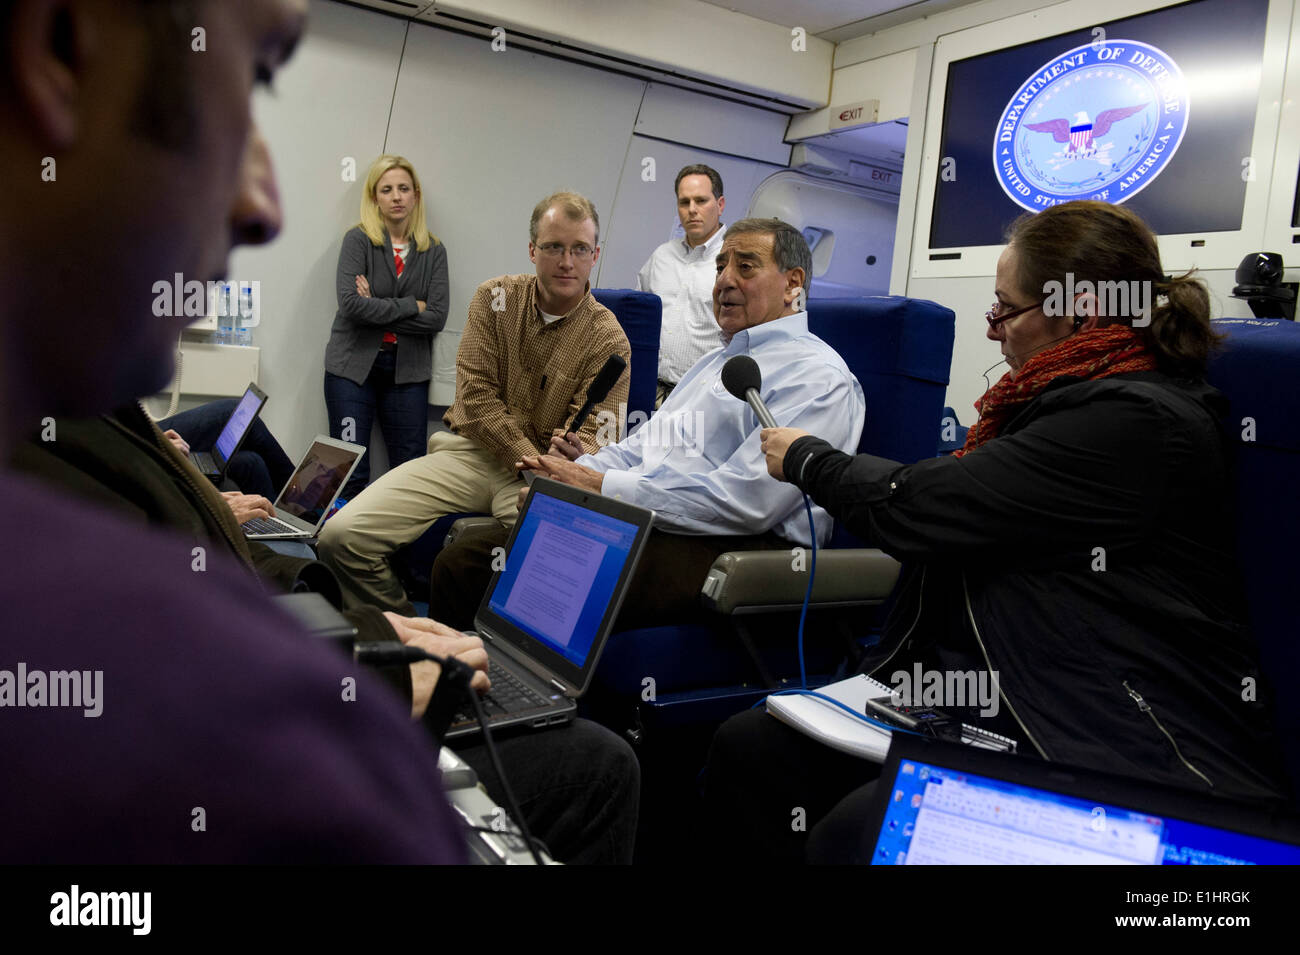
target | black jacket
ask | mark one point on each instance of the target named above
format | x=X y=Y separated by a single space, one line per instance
x=122 y=462
x=1085 y=555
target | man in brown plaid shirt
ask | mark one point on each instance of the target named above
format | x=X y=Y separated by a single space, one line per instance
x=531 y=347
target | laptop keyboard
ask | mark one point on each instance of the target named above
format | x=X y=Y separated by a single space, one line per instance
x=509 y=694
x=268 y=525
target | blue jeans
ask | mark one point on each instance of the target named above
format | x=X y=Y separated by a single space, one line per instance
x=403 y=415
x=259 y=467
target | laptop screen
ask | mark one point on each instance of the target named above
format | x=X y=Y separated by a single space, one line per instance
x=564 y=564
x=319 y=477
x=233 y=433
x=937 y=815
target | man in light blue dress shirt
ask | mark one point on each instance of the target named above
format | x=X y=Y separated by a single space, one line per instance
x=697 y=461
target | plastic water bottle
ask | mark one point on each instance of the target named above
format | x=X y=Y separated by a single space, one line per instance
x=227 y=309
x=244 y=331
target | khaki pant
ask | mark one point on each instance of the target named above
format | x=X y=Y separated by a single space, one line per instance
x=456 y=475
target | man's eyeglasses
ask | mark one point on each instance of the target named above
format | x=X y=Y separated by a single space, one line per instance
x=553 y=250
x=995 y=316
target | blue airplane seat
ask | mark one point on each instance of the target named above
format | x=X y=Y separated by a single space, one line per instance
x=952 y=435
x=640 y=314
x=900 y=350
x=1257 y=370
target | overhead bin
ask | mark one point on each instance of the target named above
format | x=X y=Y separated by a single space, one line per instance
x=687 y=42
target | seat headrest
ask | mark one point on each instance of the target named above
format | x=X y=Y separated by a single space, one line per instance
x=1257 y=369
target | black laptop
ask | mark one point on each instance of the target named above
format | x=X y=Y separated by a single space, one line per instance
x=213 y=463
x=546 y=616
x=945 y=804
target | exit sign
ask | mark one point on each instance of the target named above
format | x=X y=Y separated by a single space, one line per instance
x=862 y=113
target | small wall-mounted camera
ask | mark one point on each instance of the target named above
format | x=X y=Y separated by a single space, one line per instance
x=1259 y=282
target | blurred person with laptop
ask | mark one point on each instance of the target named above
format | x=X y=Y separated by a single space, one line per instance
x=84 y=590
x=122 y=462
x=168 y=618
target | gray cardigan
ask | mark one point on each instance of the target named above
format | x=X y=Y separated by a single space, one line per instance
x=360 y=323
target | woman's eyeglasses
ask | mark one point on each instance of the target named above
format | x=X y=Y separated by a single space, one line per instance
x=995 y=316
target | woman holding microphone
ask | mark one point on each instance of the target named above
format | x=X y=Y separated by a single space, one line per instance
x=392 y=299
x=1078 y=547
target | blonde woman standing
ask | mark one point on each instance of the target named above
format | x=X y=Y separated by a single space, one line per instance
x=392 y=299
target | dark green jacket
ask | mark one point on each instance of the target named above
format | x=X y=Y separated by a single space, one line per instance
x=122 y=462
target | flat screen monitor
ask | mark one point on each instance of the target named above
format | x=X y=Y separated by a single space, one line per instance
x=1158 y=110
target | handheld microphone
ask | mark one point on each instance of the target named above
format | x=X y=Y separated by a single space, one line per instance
x=451 y=694
x=605 y=379
x=380 y=653
x=741 y=377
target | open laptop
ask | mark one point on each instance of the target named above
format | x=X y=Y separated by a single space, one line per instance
x=305 y=501
x=213 y=463
x=546 y=616
x=940 y=803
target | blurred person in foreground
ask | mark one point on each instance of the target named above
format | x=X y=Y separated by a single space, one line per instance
x=218 y=731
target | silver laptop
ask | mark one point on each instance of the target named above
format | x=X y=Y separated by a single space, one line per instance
x=305 y=501
x=546 y=616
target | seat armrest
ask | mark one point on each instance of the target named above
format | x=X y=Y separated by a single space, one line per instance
x=467 y=525
x=767 y=580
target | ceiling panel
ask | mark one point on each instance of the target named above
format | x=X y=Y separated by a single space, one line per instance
x=815 y=16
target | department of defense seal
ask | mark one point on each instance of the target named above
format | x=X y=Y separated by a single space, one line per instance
x=1098 y=122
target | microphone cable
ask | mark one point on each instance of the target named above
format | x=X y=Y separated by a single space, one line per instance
x=803 y=667
x=807 y=597
x=988 y=385
x=803 y=670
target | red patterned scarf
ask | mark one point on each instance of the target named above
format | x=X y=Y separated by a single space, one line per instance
x=1090 y=355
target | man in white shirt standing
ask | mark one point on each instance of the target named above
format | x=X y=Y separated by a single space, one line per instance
x=681 y=273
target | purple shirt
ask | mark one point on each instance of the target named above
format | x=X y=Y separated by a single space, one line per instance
x=210 y=699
